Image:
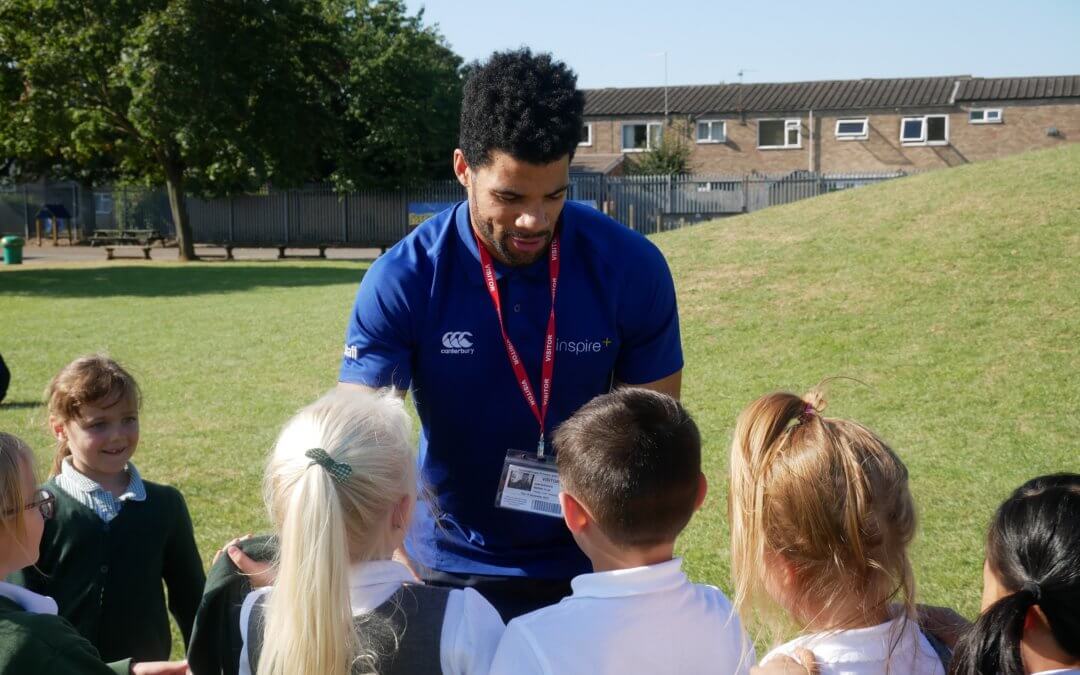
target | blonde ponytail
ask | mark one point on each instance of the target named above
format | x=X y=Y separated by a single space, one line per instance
x=827 y=495
x=327 y=520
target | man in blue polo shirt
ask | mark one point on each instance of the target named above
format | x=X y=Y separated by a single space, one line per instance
x=503 y=315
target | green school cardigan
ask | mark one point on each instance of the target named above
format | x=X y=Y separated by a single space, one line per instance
x=46 y=643
x=106 y=577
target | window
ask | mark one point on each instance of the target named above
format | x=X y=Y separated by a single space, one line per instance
x=586 y=134
x=925 y=130
x=851 y=130
x=779 y=134
x=640 y=136
x=711 y=131
x=985 y=116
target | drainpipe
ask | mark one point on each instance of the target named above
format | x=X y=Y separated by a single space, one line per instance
x=811 y=141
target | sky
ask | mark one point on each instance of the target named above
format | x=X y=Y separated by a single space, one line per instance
x=612 y=43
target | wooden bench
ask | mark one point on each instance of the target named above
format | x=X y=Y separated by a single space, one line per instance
x=111 y=250
x=322 y=252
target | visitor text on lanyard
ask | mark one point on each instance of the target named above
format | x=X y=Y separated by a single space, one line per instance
x=548 y=367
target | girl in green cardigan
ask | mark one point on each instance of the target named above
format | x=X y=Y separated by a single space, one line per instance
x=115 y=537
x=33 y=639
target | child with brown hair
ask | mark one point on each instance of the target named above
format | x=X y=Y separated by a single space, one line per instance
x=821 y=519
x=115 y=537
x=33 y=639
x=630 y=470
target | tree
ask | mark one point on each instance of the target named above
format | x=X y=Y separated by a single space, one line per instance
x=207 y=97
x=400 y=97
x=671 y=157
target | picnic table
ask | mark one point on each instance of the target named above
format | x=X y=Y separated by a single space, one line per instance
x=126 y=236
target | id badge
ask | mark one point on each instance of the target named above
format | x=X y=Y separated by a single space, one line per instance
x=529 y=483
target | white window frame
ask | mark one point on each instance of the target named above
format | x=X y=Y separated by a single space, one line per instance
x=849 y=136
x=648 y=136
x=587 y=141
x=710 y=139
x=789 y=123
x=921 y=140
x=998 y=117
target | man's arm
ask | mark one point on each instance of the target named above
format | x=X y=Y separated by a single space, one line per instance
x=670 y=385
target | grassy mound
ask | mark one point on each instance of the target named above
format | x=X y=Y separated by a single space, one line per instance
x=952 y=295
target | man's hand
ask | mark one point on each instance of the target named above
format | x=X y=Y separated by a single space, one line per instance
x=160 y=668
x=259 y=573
x=803 y=664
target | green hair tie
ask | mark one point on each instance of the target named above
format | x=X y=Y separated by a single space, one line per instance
x=339 y=471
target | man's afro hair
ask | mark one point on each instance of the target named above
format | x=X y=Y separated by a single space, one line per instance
x=525 y=105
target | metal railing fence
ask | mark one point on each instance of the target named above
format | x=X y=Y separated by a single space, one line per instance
x=319 y=215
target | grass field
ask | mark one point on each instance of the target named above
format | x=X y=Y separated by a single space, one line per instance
x=952 y=295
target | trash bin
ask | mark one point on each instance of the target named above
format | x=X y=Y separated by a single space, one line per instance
x=13 y=247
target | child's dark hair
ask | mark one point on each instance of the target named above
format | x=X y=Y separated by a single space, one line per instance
x=1034 y=549
x=633 y=458
x=522 y=104
x=86 y=380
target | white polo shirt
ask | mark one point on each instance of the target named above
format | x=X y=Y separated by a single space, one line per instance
x=895 y=646
x=641 y=620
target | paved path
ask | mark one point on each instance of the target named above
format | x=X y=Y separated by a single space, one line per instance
x=48 y=254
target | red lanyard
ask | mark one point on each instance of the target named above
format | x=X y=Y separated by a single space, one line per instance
x=548 y=368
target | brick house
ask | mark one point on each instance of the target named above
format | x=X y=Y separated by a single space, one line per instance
x=834 y=126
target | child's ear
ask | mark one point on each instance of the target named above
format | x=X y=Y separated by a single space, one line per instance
x=1034 y=619
x=702 y=490
x=575 y=515
x=57 y=427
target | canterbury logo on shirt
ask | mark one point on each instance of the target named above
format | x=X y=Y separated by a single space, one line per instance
x=457 y=342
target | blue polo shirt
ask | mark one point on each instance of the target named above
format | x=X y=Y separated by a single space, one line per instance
x=424 y=321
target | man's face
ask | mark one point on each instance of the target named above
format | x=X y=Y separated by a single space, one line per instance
x=514 y=205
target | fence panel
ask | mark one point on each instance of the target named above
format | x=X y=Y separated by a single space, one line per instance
x=15 y=209
x=316 y=216
x=376 y=218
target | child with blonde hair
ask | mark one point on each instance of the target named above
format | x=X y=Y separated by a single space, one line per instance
x=115 y=536
x=33 y=639
x=340 y=488
x=821 y=519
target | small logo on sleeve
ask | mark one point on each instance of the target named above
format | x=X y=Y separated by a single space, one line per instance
x=457 y=342
x=352 y=352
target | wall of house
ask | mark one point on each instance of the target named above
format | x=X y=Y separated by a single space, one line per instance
x=1023 y=128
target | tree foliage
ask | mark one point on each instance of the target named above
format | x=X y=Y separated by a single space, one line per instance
x=223 y=96
x=401 y=97
x=671 y=157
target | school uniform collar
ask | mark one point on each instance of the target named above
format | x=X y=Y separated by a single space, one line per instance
x=136 y=490
x=30 y=601
x=634 y=581
x=873 y=643
x=537 y=271
x=365 y=578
